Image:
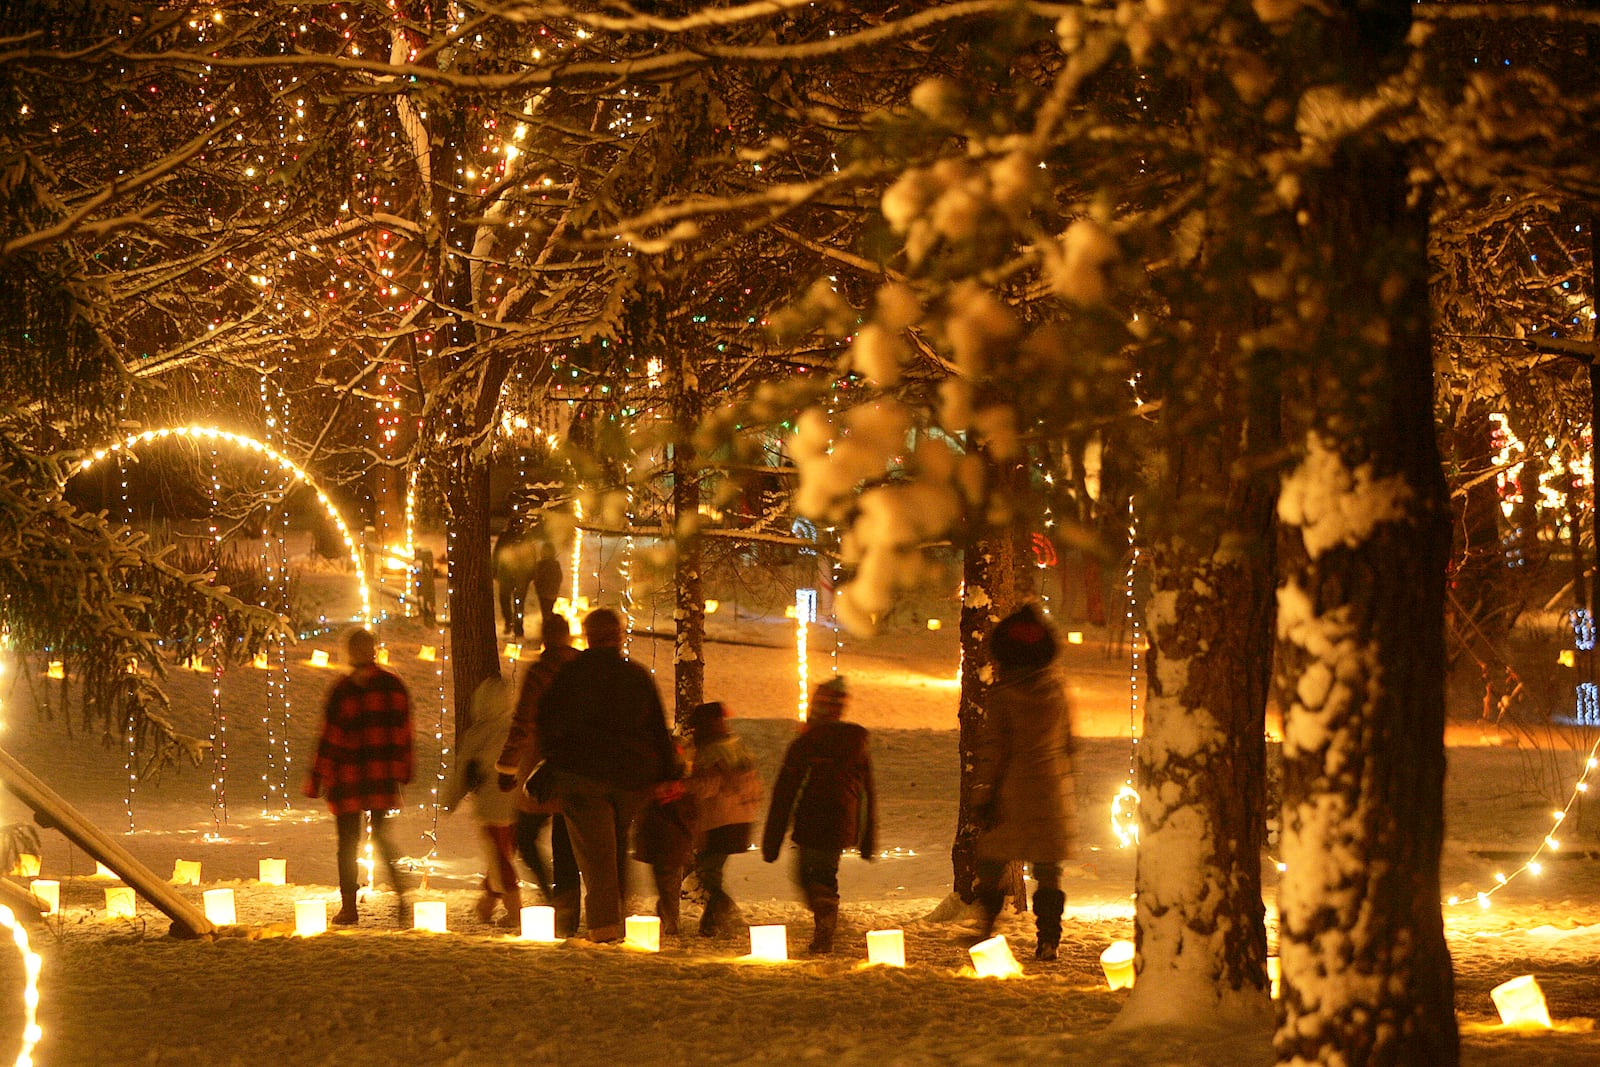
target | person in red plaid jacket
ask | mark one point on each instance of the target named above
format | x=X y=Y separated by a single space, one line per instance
x=363 y=758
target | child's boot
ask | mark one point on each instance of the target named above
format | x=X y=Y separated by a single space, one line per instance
x=825 y=917
x=1047 y=907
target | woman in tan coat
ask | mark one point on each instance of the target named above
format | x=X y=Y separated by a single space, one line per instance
x=1024 y=789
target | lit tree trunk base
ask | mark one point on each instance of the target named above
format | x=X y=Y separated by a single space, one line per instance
x=1201 y=923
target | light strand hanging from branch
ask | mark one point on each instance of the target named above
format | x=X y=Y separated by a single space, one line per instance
x=1125 y=803
x=130 y=751
x=219 y=714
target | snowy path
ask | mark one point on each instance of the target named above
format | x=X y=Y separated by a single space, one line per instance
x=119 y=992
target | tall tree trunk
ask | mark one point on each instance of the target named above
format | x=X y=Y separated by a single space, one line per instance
x=989 y=565
x=1366 y=536
x=1200 y=921
x=474 y=650
x=689 y=608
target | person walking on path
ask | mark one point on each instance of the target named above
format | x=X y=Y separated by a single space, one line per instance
x=547 y=579
x=520 y=754
x=825 y=786
x=726 y=787
x=363 y=758
x=514 y=563
x=603 y=731
x=494 y=809
x=1023 y=790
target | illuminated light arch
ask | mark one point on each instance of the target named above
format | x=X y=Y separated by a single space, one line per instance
x=31 y=965
x=249 y=444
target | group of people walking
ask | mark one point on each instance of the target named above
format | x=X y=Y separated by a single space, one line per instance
x=585 y=751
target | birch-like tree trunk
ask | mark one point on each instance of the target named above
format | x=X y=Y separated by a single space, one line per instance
x=1200 y=921
x=1366 y=536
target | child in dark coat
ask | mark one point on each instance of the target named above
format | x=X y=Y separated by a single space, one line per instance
x=826 y=787
x=664 y=838
x=727 y=789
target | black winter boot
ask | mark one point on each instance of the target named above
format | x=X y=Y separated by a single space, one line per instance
x=825 y=916
x=1047 y=908
x=347 y=911
x=714 y=920
x=991 y=901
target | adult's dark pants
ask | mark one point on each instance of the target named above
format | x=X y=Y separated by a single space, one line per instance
x=349 y=827
x=599 y=816
x=558 y=879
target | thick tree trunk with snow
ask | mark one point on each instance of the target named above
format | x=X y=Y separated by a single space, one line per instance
x=1200 y=922
x=1366 y=971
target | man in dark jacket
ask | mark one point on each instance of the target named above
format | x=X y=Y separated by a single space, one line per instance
x=604 y=731
x=363 y=758
x=826 y=786
x=514 y=561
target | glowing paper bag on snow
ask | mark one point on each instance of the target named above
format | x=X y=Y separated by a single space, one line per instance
x=274 y=872
x=1520 y=1001
x=643 y=931
x=993 y=958
x=319 y=658
x=539 y=923
x=887 y=947
x=770 y=943
x=27 y=865
x=429 y=915
x=1117 y=962
x=186 y=872
x=219 y=906
x=119 y=902
x=310 y=917
x=48 y=890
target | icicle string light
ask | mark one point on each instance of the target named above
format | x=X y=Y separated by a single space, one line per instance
x=1125 y=804
x=212 y=433
x=577 y=546
x=130 y=762
x=219 y=714
x=805 y=612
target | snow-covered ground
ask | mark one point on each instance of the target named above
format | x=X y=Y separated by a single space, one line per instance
x=120 y=991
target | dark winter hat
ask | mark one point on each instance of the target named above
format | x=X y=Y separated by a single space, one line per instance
x=602 y=626
x=1022 y=641
x=829 y=697
x=708 y=720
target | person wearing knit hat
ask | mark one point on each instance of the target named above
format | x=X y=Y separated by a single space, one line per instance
x=828 y=701
x=825 y=787
x=1023 y=792
x=727 y=789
